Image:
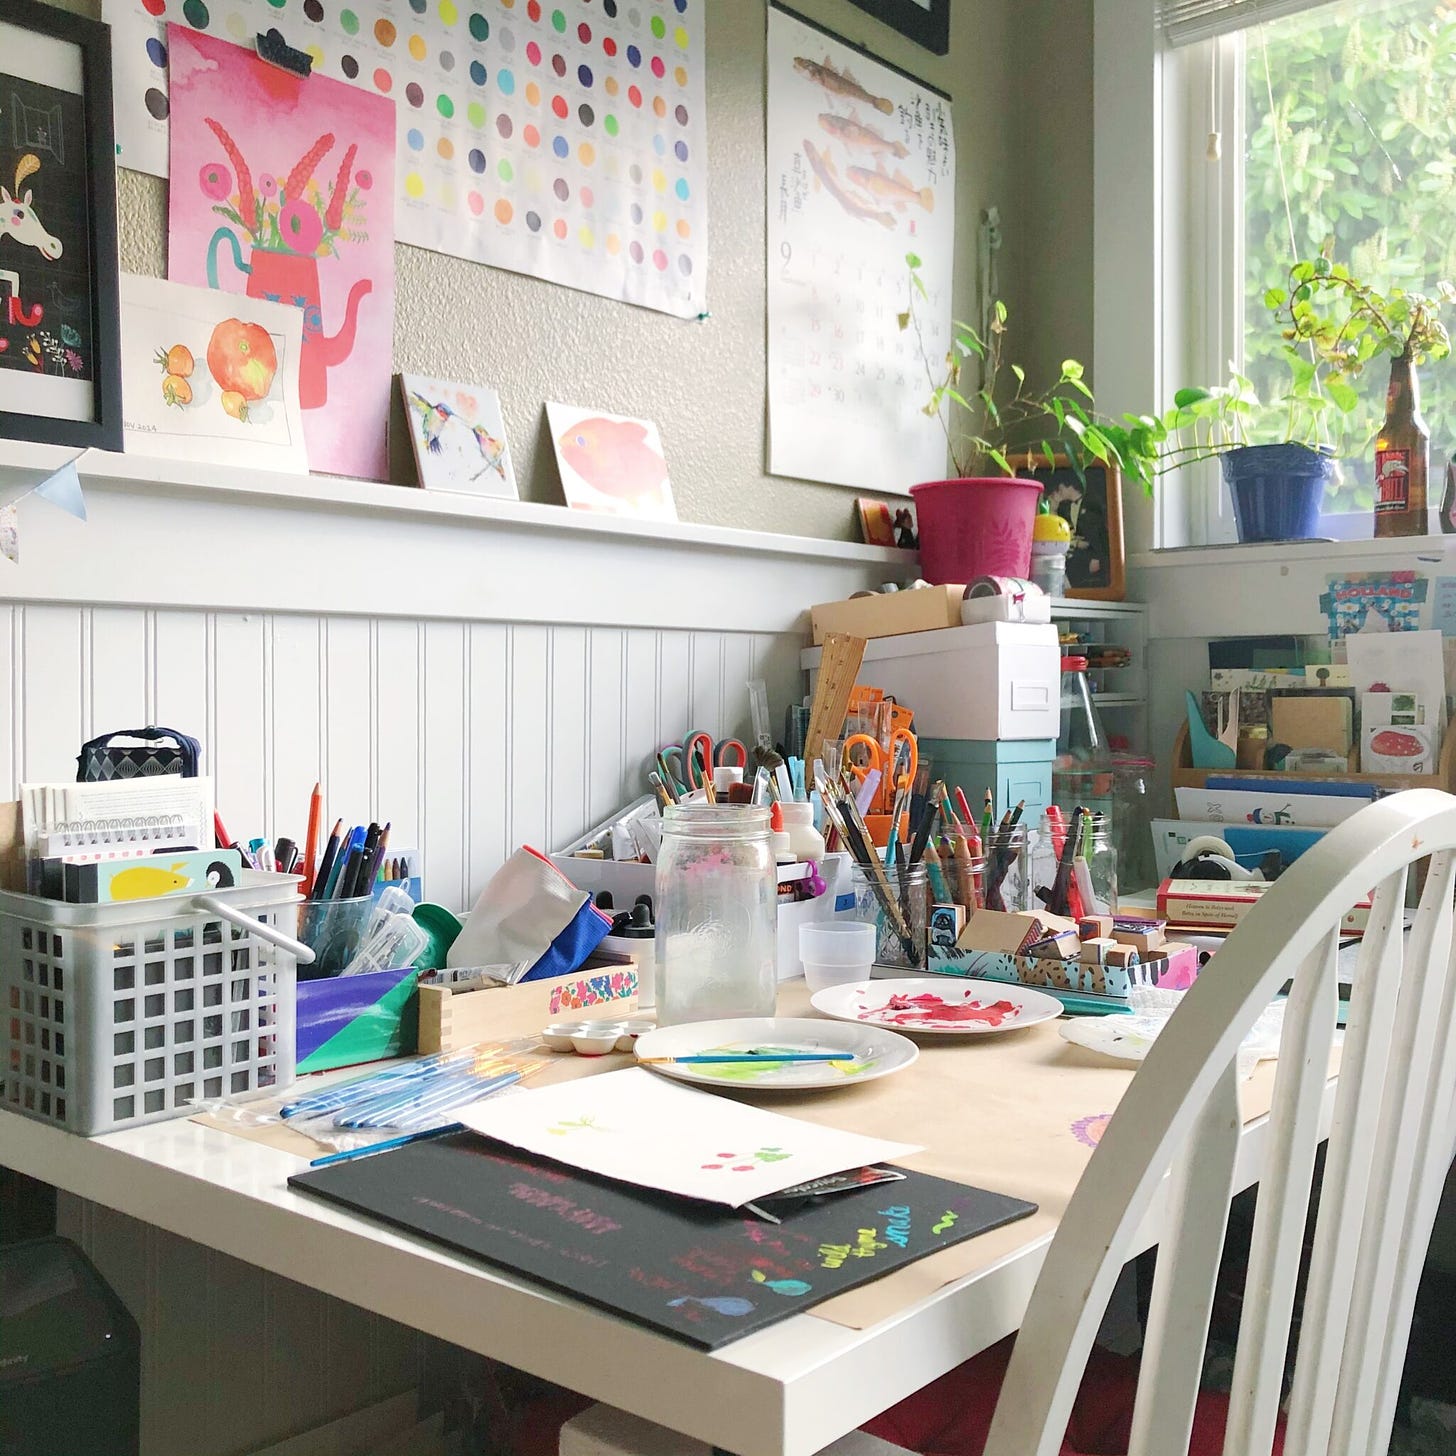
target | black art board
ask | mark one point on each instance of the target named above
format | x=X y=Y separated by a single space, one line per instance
x=698 y=1273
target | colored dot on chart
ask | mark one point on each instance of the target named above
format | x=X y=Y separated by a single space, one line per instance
x=585 y=197
x=614 y=244
x=583 y=33
x=348 y=22
x=680 y=6
x=610 y=124
x=611 y=86
x=680 y=151
x=316 y=55
x=634 y=56
x=659 y=260
x=681 y=188
x=156 y=53
x=635 y=173
x=194 y=12
x=533 y=10
x=584 y=75
x=610 y=6
x=659 y=144
x=680 y=75
x=278 y=4
x=447 y=60
x=559 y=106
x=506 y=40
x=448 y=13
x=384 y=32
x=414 y=93
x=447 y=195
x=658 y=69
x=444 y=105
x=350 y=67
x=533 y=221
x=479 y=26
x=558 y=22
x=415 y=139
x=533 y=94
x=659 y=106
x=684 y=264
x=505 y=171
x=238 y=28
x=635 y=252
x=156 y=103
x=506 y=80
x=476 y=202
x=533 y=53
x=446 y=148
x=585 y=236
x=504 y=212
x=503 y=126
x=585 y=114
x=313 y=11
x=609 y=47
x=682 y=115
x=680 y=38
x=414 y=185
x=417 y=47
x=560 y=147
x=636 y=214
x=659 y=222
x=634 y=95
x=419 y=6
x=659 y=27
x=559 y=228
x=683 y=230
x=475 y=113
x=558 y=64
x=155 y=7
x=586 y=153
x=383 y=80
x=561 y=188
x=476 y=160
x=531 y=136
x=477 y=73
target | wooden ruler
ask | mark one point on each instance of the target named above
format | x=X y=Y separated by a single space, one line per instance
x=839 y=665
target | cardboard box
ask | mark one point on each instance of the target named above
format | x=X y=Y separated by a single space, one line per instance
x=1007 y=932
x=1221 y=904
x=1313 y=720
x=888 y=614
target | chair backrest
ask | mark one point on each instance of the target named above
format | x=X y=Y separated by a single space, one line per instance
x=1390 y=1145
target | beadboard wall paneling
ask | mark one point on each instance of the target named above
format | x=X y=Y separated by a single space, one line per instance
x=471 y=737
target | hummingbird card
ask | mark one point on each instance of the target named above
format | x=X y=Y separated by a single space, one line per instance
x=610 y=463
x=458 y=436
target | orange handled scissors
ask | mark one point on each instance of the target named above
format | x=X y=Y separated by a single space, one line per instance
x=700 y=756
x=904 y=755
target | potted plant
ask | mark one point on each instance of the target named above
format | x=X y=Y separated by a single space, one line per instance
x=1334 y=325
x=979 y=522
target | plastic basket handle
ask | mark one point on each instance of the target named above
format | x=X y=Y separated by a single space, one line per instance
x=296 y=948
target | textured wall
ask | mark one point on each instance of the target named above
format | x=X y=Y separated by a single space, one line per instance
x=702 y=382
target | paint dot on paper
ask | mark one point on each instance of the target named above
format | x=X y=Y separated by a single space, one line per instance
x=414 y=185
x=477 y=73
x=634 y=95
x=560 y=146
x=278 y=4
x=475 y=112
x=614 y=244
x=444 y=105
x=504 y=212
x=659 y=106
x=384 y=32
x=659 y=260
x=313 y=11
x=476 y=160
x=612 y=86
x=680 y=6
x=533 y=94
x=559 y=228
x=558 y=22
x=684 y=264
x=156 y=52
x=445 y=147
x=610 y=6
x=194 y=12
x=585 y=196
x=350 y=67
x=237 y=27
x=609 y=46
x=506 y=40
x=634 y=56
x=348 y=22
x=533 y=10
x=506 y=80
x=584 y=75
x=659 y=27
x=447 y=60
x=558 y=64
x=316 y=55
x=533 y=53
x=659 y=144
x=414 y=93
x=587 y=154
x=503 y=126
x=383 y=80
x=658 y=69
x=635 y=252
x=415 y=139
x=680 y=38
x=635 y=213
x=417 y=47
x=559 y=106
x=682 y=115
x=586 y=237
x=684 y=231
x=479 y=26
x=659 y=182
x=505 y=171
x=157 y=104
x=531 y=136
x=680 y=75
x=681 y=188
x=561 y=189
x=659 y=222
x=610 y=124
x=447 y=195
x=155 y=7
x=533 y=221
x=585 y=114
x=680 y=151
x=448 y=13
x=476 y=203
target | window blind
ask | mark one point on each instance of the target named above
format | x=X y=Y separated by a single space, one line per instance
x=1184 y=22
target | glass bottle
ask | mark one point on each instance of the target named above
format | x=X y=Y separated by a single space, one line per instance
x=1079 y=878
x=717 y=914
x=1402 y=457
x=1448 y=501
x=1082 y=768
x=913 y=891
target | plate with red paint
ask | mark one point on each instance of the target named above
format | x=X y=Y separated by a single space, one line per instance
x=942 y=1006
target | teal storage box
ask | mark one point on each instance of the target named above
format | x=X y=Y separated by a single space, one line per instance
x=1012 y=769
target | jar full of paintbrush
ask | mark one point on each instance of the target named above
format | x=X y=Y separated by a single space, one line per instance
x=898 y=942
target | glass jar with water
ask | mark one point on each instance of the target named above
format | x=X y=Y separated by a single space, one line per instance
x=717 y=914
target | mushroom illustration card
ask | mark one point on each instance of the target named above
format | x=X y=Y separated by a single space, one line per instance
x=282 y=188
x=458 y=436
x=610 y=463
x=209 y=376
x=640 y=1128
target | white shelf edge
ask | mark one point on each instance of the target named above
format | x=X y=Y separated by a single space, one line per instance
x=1275 y=553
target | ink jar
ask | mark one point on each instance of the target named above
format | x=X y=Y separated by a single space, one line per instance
x=717 y=914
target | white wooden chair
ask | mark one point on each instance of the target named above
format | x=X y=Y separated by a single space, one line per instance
x=1390 y=1145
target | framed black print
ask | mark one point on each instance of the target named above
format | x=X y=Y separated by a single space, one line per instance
x=926 y=22
x=60 y=356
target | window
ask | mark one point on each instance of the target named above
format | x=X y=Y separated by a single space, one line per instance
x=1338 y=128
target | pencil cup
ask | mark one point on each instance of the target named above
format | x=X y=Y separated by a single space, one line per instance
x=912 y=892
x=334 y=930
x=1006 y=881
x=1065 y=877
x=836 y=952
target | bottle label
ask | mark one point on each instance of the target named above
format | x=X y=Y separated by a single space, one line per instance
x=1392 y=481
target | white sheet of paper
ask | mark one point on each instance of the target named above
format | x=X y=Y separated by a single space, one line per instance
x=640 y=1128
x=860 y=172
x=1406 y=662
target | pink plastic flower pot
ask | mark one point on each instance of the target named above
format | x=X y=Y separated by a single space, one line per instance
x=976 y=527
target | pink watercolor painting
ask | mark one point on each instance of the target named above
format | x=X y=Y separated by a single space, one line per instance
x=283 y=188
x=610 y=463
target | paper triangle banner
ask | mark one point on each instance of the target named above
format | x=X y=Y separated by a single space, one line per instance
x=63 y=489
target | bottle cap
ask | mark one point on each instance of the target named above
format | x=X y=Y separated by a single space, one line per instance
x=636 y=923
x=782 y=845
x=1074 y=664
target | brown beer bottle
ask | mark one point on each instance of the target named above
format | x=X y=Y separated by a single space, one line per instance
x=1402 y=457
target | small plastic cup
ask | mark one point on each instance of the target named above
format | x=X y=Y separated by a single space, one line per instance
x=333 y=930
x=836 y=952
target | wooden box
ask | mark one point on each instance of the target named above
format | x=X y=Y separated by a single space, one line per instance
x=887 y=614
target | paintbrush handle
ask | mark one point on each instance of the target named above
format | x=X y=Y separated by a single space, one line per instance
x=763 y=1058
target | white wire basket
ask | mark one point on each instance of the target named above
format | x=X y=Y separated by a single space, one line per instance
x=117 y=1015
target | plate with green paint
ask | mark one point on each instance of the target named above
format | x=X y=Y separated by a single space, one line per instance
x=764 y=1042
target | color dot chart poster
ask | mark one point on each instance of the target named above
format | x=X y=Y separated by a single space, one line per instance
x=566 y=140
x=860 y=173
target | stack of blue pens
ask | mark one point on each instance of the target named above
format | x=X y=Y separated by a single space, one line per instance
x=350 y=862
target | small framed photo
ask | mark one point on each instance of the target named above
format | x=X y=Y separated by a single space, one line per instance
x=926 y=22
x=1092 y=505
x=60 y=341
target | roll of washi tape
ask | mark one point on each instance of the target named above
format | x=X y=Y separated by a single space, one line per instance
x=1004 y=599
x=1015 y=587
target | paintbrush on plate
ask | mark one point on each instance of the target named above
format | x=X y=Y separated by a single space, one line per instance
x=766 y=1055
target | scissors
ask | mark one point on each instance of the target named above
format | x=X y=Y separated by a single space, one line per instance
x=903 y=751
x=672 y=756
x=700 y=756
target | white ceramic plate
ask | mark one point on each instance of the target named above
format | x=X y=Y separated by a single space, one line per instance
x=876 y=1053
x=938 y=1006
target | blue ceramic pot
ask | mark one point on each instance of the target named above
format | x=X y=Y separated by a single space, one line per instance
x=1277 y=490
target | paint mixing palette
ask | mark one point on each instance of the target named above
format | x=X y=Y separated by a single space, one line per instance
x=934 y=1008
x=557 y=139
x=876 y=1053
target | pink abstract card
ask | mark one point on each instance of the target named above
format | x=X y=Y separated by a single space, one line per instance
x=282 y=187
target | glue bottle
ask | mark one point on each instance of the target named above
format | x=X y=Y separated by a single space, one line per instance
x=783 y=847
x=805 y=840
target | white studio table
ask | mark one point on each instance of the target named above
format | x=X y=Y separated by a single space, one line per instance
x=786 y=1391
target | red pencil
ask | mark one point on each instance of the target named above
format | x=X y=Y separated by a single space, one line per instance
x=311 y=845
